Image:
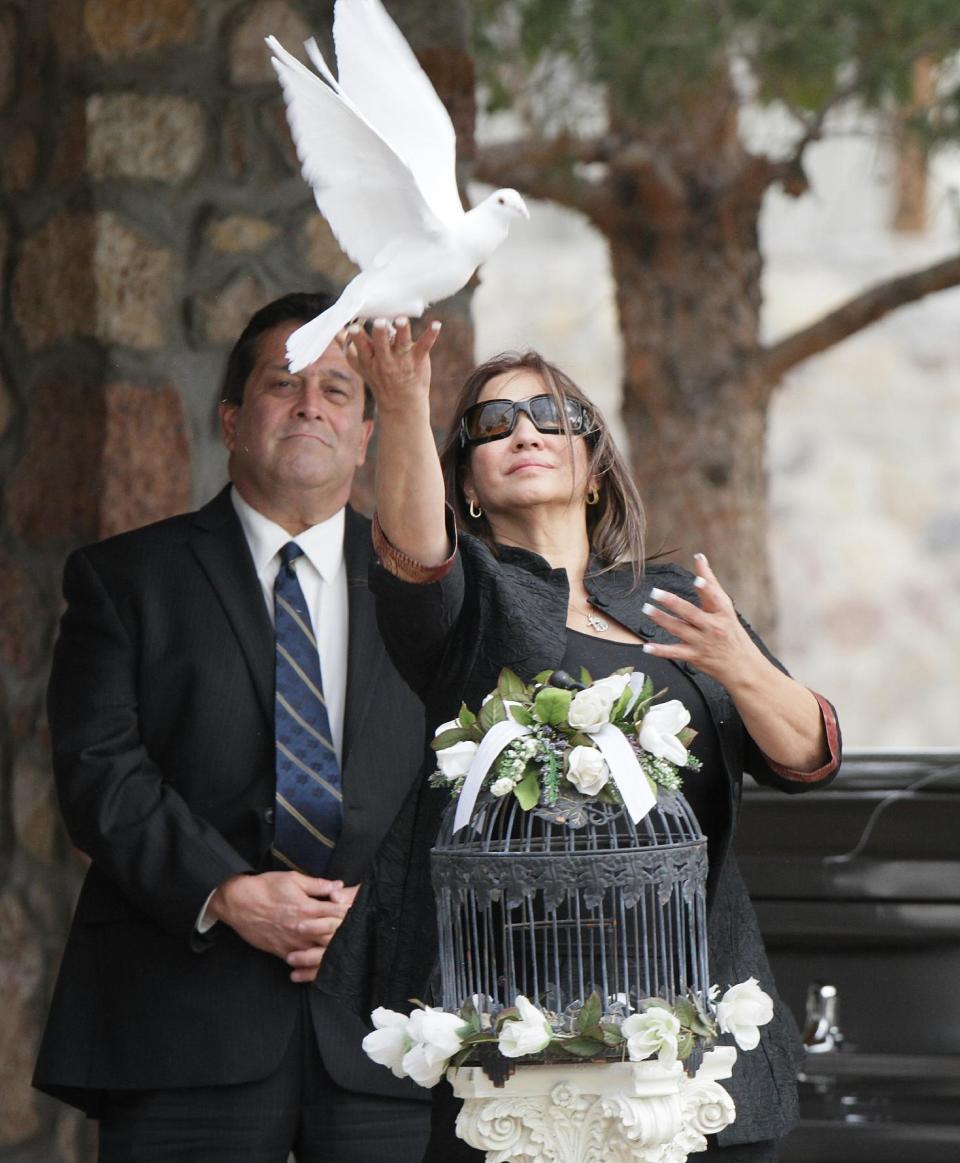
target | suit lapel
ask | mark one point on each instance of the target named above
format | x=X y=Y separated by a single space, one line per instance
x=221 y=548
x=366 y=653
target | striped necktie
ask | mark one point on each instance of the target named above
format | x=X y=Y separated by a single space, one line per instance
x=309 y=800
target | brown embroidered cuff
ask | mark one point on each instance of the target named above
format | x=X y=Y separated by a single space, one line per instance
x=833 y=743
x=407 y=568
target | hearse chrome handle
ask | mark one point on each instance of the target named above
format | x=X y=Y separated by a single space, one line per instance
x=821 y=1033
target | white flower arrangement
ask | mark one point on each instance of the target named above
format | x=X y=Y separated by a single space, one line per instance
x=424 y=1044
x=557 y=751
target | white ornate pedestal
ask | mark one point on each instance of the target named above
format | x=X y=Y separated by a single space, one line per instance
x=613 y=1112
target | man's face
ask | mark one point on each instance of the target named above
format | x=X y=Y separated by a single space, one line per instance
x=296 y=432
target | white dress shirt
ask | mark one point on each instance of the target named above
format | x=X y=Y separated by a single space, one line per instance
x=322 y=574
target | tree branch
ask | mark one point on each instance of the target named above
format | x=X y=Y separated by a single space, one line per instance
x=541 y=168
x=858 y=313
x=547 y=168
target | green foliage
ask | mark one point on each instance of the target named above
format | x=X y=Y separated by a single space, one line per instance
x=552 y=704
x=657 y=59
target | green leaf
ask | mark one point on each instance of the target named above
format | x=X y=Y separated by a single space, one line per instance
x=687 y=735
x=509 y=685
x=579 y=1047
x=552 y=704
x=448 y=738
x=590 y=1014
x=685 y=1011
x=522 y=715
x=612 y=1036
x=492 y=711
x=620 y=706
x=527 y=791
x=509 y=1014
x=542 y=678
x=466 y=718
x=585 y=676
x=685 y=1041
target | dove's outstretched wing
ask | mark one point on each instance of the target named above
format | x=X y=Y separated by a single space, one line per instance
x=381 y=76
x=362 y=187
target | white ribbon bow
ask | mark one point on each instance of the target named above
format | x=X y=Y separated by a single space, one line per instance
x=625 y=769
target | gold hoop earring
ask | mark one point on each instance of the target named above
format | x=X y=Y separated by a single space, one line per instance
x=593 y=496
x=475 y=510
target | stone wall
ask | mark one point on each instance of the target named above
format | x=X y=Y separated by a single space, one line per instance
x=149 y=202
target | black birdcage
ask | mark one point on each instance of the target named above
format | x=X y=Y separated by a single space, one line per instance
x=556 y=904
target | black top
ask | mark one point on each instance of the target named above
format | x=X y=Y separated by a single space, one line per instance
x=705 y=790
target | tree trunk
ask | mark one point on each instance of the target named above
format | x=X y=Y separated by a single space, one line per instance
x=687 y=269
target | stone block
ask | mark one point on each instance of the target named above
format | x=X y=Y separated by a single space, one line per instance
x=92 y=275
x=68 y=163
x=35 y=813
x=9 y=44
x=129 y=135
x=249 y=56
x=23 y=621
x=240 y=233
x=21 y=981
x=323 y=253
x=52 y=292
x=53 y=492
x=20 y=160
x=145 y=463
x=7 y=406
x=126 y=28
x=132 y=283
x=220 y=316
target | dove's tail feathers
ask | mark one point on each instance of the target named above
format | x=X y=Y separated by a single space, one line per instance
x=316 y=59
x=284 y=60
x=311 y=340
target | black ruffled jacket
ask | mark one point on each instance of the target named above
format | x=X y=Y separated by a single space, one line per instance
x=449 y=639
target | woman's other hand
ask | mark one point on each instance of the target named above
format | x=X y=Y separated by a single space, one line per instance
x=709 y=636
x=783 y=717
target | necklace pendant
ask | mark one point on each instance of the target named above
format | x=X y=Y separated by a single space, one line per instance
x=597 y=623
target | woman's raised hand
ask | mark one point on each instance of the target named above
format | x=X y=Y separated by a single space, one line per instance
x=396 y=368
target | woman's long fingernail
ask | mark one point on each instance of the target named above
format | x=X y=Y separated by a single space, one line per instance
x=657 y=594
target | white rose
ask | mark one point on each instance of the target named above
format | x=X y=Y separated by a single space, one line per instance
x=390 y=1041
x=527 y=1035
x=658 y=732
x=590 y=709
x=435 y=1041
x=502 y=787
x=613 y=682
x=587 y=770
x=455 y=760
x=653 y=1032
x=742 y=1009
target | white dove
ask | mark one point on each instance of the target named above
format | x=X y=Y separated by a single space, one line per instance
x=379 y=150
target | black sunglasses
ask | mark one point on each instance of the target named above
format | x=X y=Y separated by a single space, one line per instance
x=496 y=419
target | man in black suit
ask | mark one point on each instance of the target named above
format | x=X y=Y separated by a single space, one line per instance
x=183 y=1016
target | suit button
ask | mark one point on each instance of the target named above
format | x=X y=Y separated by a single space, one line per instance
x=268 y=815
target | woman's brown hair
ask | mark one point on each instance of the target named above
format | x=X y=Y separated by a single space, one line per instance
x=615 y=524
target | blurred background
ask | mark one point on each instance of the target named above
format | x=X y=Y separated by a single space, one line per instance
x=744 y=244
